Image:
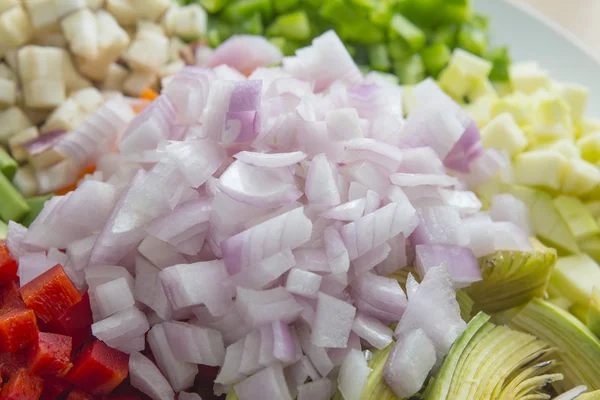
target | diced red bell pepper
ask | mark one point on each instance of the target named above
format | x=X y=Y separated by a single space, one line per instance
x=10 y=298
x=23 y=386
x=51 y=294
x=53 y=388
x=11 y=363
x=76 y=322
x=18 y=328
x=50 y=355
x=123 y=397
x=99 y=369
x=77 y=394
x=8 y=265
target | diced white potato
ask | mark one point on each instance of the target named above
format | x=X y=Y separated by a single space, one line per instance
x=148 y=52
x=82 y=33
x=576 y=96
x=6 y=4
x=25 y=181
x=11 y=58
x=151 y=10
x=36 y=116
x=16 y=142
x=6 y=72
x=89 y=100
x=66 y=7
x=504 y=134
x=73 y=79
x=67 y=116
x=41 y=71
x=53 y=39
x=175 y=47
x=115 y=77
x=137 y=82
x=528 y=77
x=149 y=26
x=42 y=13
x=170 y=69
x=124 y=11
x=12 y=121
x=189 y=22
x=94 y=4
x=8 y=93
x=111 y=94
x=15 y=29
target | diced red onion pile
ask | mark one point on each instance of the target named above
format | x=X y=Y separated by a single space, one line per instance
x=251 y=224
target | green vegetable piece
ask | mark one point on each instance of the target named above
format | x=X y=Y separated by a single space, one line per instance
x=595 y=395
x=512 y=278
x=591 y=247
x=492 y=362
x=292 y=26
x=13 y=205
x=282 y=6
x=465 y=303
x=376 y=388
x=501 y=60
x=399 y=50
x=593 y=312
x=340 y=12
x=580 y=221
x=579 y=348
x=435 y=58
x=401 y=27
x=472 y=39
x=379 y=58
x=214 y=38
x=242 y=9
x=8 y=165
x=381 y=15
x=3 y=230
x=362 y=32
x=455 y=13
x=411 y=71
x=213 y=6
x=253 y=25
x=232 y=395
x=445 y=34
x=36 y=204
x=575 y=277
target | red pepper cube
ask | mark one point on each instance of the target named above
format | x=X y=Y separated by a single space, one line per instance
x=77 y=394
x=8 y=265
x=50 y=355
x=18 y=329
x=11 y=363
x=51 y=294
x=99 y=369
x=76 y=322
x=23 y=386
x=54 y=388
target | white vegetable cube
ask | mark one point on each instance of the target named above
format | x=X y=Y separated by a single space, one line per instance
x=480 y=110
x=576 y=96
x=175 y=46
x=124 y=11
x=8 y=93
x=564 y=146
x=587 y=126
x=528 y=78
x=15 y=28
x=25 y=181
x=15 y=143
x=170 y=69
x=189 y=22
x=41 y=71
x=481 y=88
x=12 y=121
x=590 y=147
x=137 y=82
x=551 y=118
x=503 y=133
x=149 y=26
x=115 y=77
x=94 y=4
x=518 y=104
x=580 y=177
x=67 y=116
x=73 y=79
x=6 y=72
x=303 y=283
x=7 y=4
x=42 y=13
x=541 y=168
x=113 y=297
x=471 y=65
x=148 y=52
x=82 y=33
x=151 y=10
x=89 y=99
x=66 y=7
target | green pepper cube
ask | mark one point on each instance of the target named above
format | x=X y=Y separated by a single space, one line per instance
x=8 y=165
x=379 y=58
x=292 y=26
x=213 y=6
x=13 y=205
x=472 y=39
x=410 y=71
x=435 y=58
x=401 y=27
x=284 y=5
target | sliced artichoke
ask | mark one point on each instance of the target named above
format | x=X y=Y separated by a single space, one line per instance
x=466 y=303
x=579 y=349
x=493 y=362
x=376 y=388
x=595 y=395
x=593 y=312
x=512 y=278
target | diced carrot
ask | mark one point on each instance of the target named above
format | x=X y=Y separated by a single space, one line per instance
x=149 y=94
x=50 y=355
x=8 y=265
x=23 y=386
x=99 y=369
x=51 y=294
x=77 y=394
x=76 y=322
x=53 y=388
x=70 y=188
x=11 y=363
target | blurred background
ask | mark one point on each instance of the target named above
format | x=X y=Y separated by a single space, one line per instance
x=578 y=16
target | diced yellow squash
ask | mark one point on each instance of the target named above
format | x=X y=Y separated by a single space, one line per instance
x=480 y=110
x=472 y=66
x=564 y=146
x=593 y=207
x=528 y=78
x=551 y=118
x=518 y=104
x=576 y=276
x=588 y=126
x=576 y=96
x=580 y=221
x=540 y=168
x=503 y=133
x=590 y=147
x=454 y=81
x=579 y=177
x=481 y=87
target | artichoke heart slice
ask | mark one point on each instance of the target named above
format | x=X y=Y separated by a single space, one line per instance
x=376 y=388
x=493 y=362
x=579 y=348
x=512 y=278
